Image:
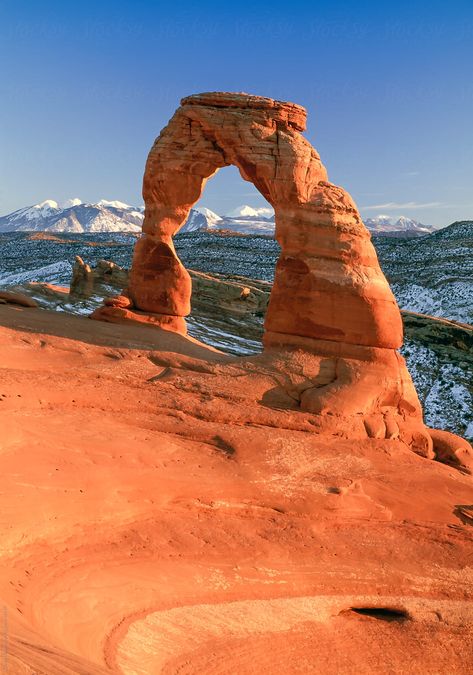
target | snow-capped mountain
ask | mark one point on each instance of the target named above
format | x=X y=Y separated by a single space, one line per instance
x=74 y=216
x=244 y=219
x=253 y=220
x=75 y=201
x=195 y=221
x=211 y=217
x=31 y=215
x=386 y=224
x=114 y=204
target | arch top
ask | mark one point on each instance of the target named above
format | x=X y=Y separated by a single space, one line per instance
x=293 y=114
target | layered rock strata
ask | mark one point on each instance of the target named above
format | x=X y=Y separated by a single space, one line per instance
x=166 y=510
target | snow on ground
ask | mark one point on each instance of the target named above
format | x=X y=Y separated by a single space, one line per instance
x=52 y=274
x=443 y=389
x=448 y=300
x=443 y=377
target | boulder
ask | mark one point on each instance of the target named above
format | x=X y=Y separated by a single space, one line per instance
x=451 y=449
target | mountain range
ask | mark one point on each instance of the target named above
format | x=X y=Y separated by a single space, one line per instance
x=403 y=225
x=75 y=216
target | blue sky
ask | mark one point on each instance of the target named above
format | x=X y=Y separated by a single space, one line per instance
x=86 y=87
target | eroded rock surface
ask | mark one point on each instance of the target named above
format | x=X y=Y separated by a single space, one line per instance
x=328 y=282
x=215 y=292
x=330 y=298
x=170 y=509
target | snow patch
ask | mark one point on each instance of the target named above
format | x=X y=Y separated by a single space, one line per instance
x=75 y=201
x=211 y=217
x=52 y=274
x=114 y=204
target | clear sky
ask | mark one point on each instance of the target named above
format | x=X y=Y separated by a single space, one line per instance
x=85 y=88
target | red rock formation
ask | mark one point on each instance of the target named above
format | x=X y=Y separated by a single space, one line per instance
x=17 y=299
x=330 y=298
x=328 y=282
x=168 y=509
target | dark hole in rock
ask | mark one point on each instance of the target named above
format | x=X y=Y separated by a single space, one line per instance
x=224 y=446
x=380 y=613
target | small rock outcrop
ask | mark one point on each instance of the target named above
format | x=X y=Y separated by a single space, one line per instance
x=16 y=298
x=210 y=292
x=330 y=298
x=86 y=280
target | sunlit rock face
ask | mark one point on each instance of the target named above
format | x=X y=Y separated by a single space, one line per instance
x=329 y=300
x=328 y=283
x=172 y=509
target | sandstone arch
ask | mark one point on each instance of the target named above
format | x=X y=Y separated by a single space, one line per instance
x=333 y=327
x=328 y=284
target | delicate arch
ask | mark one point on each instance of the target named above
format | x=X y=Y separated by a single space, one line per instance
x=328 y=284
x=333 y=325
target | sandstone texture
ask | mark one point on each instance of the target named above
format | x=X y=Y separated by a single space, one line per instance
x=166 y=508
x=17 y=299
x=328 y=283
x=213 y=292
x=329 y=298
x=86 y=280
x=228 y=310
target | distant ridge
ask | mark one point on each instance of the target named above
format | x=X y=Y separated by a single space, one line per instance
x=387 y=225
x=76 y=216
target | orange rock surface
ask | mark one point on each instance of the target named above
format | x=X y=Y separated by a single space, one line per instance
x=329 y=298
x=328 y=283
x=169 y=509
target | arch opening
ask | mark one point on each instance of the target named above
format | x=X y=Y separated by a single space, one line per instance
x=231 y=259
